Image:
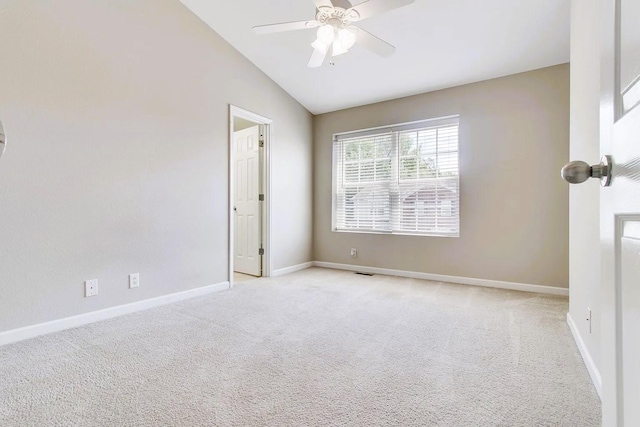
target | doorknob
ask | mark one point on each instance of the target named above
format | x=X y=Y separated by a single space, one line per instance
x=578 y=172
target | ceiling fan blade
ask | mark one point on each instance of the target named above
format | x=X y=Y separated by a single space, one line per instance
x=322 y=3
x=345 y=4
x=375 y=7
x=374 y=44
x=285 y=26
x=317 y=59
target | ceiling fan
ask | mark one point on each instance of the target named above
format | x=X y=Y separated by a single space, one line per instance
x=336 y=34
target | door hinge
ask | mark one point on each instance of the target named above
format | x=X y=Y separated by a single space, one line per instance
x=261 y=251
x=261 y=197
x=261 y=141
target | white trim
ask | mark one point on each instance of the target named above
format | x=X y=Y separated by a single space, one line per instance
x=451 y=279
x=418 y=124
x=594 y=372
x=292 y=269
x=32 y=331
x=234 y=111
x=248 y=115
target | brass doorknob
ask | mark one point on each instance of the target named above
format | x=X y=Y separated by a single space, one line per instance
x=578 y=172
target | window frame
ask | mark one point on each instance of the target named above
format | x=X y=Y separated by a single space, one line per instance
x=395 y=131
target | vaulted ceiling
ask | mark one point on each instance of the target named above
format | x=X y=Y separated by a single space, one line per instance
x=440 y=44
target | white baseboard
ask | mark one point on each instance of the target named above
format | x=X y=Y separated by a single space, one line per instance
x=451 y=279
x=292 y=269
x=27 y=332
x=594 y=372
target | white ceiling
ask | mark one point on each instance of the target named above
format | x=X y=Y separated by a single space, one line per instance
x=440 y=44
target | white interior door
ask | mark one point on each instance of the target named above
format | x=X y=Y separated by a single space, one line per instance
x=620 y=213
x=246 y=204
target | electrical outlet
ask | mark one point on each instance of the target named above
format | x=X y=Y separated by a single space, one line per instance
x=91 y=288
x=589 y=318
x=354 y=252
x=134 y=280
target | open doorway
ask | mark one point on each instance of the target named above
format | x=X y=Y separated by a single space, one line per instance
x=249 y=201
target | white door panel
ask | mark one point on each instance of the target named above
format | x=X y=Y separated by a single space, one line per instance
x=247 y=206
x=620 y=213
x=630 y=307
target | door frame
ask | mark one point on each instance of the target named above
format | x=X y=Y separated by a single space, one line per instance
x=265 y=208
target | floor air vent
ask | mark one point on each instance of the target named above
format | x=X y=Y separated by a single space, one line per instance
x=364 y=274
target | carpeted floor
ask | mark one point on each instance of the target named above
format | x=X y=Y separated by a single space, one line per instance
x=314 y=348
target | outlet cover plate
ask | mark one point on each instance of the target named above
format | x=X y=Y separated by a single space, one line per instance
x=91 y=288
x=134 y=280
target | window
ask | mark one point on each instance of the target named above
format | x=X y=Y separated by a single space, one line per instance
x=400 y=179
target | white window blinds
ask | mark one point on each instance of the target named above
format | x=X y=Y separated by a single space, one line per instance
x=401 y=179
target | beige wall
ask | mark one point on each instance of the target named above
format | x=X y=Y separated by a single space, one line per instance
x=117 y=117
x=514 y=138
x=584 y=213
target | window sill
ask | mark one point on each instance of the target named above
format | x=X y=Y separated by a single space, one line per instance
x=390 y=233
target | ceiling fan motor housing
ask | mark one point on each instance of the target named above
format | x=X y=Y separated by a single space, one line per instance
x=336 y=16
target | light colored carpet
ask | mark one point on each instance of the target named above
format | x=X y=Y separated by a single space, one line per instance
x=314 y=348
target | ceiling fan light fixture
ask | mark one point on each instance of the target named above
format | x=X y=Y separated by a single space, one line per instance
x=326 y=34
x=320 y=46
x=338 y=48
x=345 y=41
x=347 y=37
